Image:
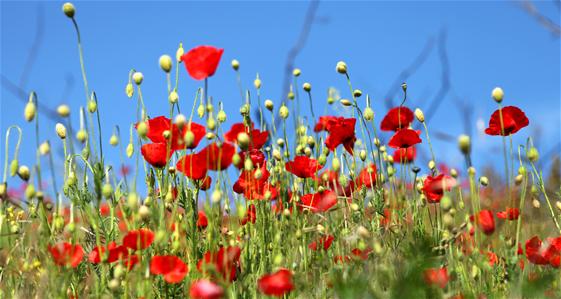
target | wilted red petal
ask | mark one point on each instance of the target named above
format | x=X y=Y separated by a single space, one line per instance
x=201 y=62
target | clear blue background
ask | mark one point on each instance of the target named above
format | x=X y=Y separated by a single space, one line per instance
x=488 y=44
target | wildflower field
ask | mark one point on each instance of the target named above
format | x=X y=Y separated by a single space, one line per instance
x=284 y=201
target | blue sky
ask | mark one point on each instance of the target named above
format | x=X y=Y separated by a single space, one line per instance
x=488 y=44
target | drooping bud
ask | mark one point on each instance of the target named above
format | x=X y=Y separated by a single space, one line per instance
x=532 y=154
x=243 y=140
x=221 y=116
x=92 y=106
x=29 y=111
x=173 y=97
x=114 y=140
x=296 y=72
x=129 y=90
x=23 y=172
x=484 y=181
x=180 y=120
x=345 y=102
x=357 y=93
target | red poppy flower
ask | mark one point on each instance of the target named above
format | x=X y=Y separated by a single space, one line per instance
x=434 y=187
x=276 y=284
x=205 y=183
x=323 y=122
x=492 y=257
x=155 y=154
x=110 y=254
x=201 y=62
x=202 y=221
x=171 y=267
x=361 y=254
x=514 y=119
x=396 y=119
x=486 y=221
x=218 y=157
x=257 y=138
x=205 y=289
x=543 y=253
x=253 y=186
x=256 y=156
x=192 y=166
x=225 y=262
x=303 y=167
x=330 y=180
x=158 y=125
x=341 y=131
x=318 y=202
x=324 y=242
x=437 y=277
x=367 y=176
x=66 y=254
x=198 y=131
x=509 y=213
x=404 y=155
x=138 y=239
x=404 y=139
x=250 y=215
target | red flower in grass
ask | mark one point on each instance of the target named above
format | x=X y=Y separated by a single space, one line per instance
x=202 y=221
x=437 y=277
x=66 y=254
x=171 y=267
x=486 y=221
x=404 y=138
x=303 y=167
x=323 y=242
x=509 y=213
x=544 y=253
x=341 y=131
x=330 y=180
x=250 y=215
x=256 y=156
x=513 y=119
x=323 y=122
x=201 y=62
x=434 y=187
x=110 y=254
x=205 y=289
x=138 y=239
x=276 y=284
x=404 y=155
x=254 y=186
x=257 y=138
x=318 y=202
x=158 y=125
x=361 y=254
x=367 y=176
x=396 y=119
x=205 y=183
x=156 y=154
x=193 y=166
x=218 y=157
x=224 y=262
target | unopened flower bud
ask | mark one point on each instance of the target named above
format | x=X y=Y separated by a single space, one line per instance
x=144 y=212
x=44 y=148
x=14 y=165
x=558 y=205
x=221 y=116
x=296 y=72
x=532 y=154
x=180 y=120
x=30 y=191
x=211 y=123
x=92 y=106
x=23 y=172
x=142 y=129
x=235 y=64
x=518 y=179
x=165 y=63
x=432 y=165
x=179 y=53
x=68 y=9
x=341 y=67
x=269 y=105
x=129 y=90
x=132 y=201
x=114 y=140
x=107 y=190
x=173 y=97
x=345 y=102
x=307 y=87
x=420 y=115
x=257 y=82
x=357 y=93
x=63 y=110
x=536 y=203
x=29 y=111
x=362 y=155
x=464 y=143
x=497 y=94
x=283 y=112
x=216 y=196
x=335 y=164
x=368 y=114
x=60 y=130
x=484 y=181
x=137 y=77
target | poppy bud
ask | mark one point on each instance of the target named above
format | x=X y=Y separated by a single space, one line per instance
x=558 y=205
x=142 y=129
x=68 y=9
x=464 y=144
x=71 y=179
x=518 y=179
x=92 y=106
x=453 y=173
x=280 y=142
x=363 y=232
x=210 y=135
x=165 y=63
x=484 y=181
x=180 y=120
x=432 y=165
x=307 y=87
x=311 y=141
x=357 y=93
x=114 y=140
x=335 y=164
x=404 y=86
x=221 y=117
x=216 y=196
x=269 y=105
x=296 y=72
x=248 y=164
x=497 y=94
x=63 y=110
x=368 y=114
x=179 y=53
x=14 y=167
x=132 y=201
x=29 y=191
x=173 y=97
x=86 y=152
x=129 y=150
x=446 y=203
x=144 y=212
x=283 y=112
x=44 y=148
x=60 y=130
x=471 y=171
x=29 y=111
x=290 y=95
x=129 y=90
x=420 y=115
x=211 y=123
x=23 y=172
x=345 y=102
x=532 y=154
x=235 y=64
x=81 y=135
x=448 y=221
x=201 y=110
x=536 y=203
x=243 y=140
x=114 y=285
x=137 y=77
x=341 y=67
x=257 y=82
x=107 y=190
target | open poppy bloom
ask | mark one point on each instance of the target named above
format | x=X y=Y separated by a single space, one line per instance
x=224 y=262
x=201 y=62
x=138 y=239
x=303 y=167
x=158 y=126
x=202 y=220
x=323 y=242
x=361 y=253
x=156 y=154
x=485 y=220
x=218 y=157
x=367 y=176
x=170 y=266
x=318 y=202
x=341 y=131
x=255 y=188
x=257 y=138
x=513 y=119
x=205 y=289
x=509 y=213
x=193 y=166
x=66 y=254
x=256 y=156
x=404 y=155
x=276 y=284
x=544 y=253
x=437 y=277
x=396 y=119
x=110 y=254
x=404 y=138
x=434 y=187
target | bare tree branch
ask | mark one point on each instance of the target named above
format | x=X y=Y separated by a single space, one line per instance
x=546 y=22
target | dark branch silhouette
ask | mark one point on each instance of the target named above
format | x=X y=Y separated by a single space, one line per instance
x=546 y=22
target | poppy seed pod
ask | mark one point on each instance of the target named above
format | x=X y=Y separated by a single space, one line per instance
x=63 y=110
x=341 y=67
x=296 y=72
x=173 y=97
x=368 y=114
x=345 y=102
x=137 y=77
x=68 y=9
x=357 y=93
x=269 y=105
x=532 y=154
x=235 y=64
x=23 y=172
x=283 y=112
x=497 y=94
x=29 y=111
x=420 y=115
x=165 y=63
x=60 y=130
x=464 y=143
